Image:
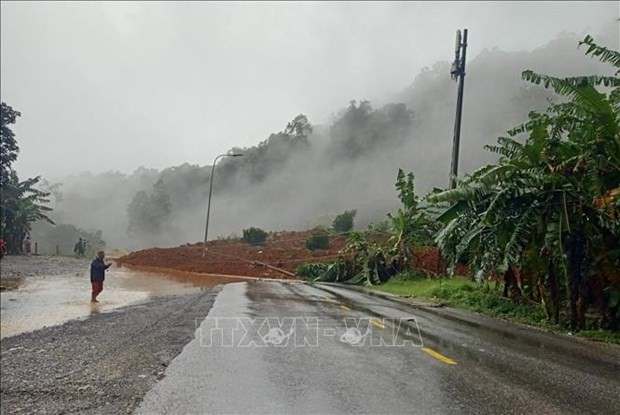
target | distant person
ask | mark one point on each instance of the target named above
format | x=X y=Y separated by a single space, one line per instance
x=80 y=247
x=84 y=247
x=77 y=248
x=2 y=248
x=97 y=275
x=26 y=243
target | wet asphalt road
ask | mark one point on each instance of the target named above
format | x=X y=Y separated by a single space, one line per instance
x=287 y=348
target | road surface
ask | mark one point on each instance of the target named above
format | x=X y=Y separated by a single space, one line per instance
x=272 y=347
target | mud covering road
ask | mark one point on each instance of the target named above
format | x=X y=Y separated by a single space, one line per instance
x=283 y=250
x=101 y=365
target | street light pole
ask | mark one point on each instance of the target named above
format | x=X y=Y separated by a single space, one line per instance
x=210 y=192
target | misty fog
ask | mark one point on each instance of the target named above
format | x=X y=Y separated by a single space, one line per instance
x=307 y=186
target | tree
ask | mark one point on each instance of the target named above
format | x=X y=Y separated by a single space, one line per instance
x=8 y=145
x=160 y=203
x=360 y=129
x=411 y=224
x=65 y=236
x=318 y=239
x=344 y=221
x=258 y=162
x=140 y=215
x=149 y=212
x=21 y=205
x=299 y=127
x=254 y=236
x=20 y=202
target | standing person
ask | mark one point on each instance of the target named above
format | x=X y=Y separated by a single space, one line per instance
x=77 y=248
x=26 y=244
x=83 y=247
x=2 y=248
x=97 y=275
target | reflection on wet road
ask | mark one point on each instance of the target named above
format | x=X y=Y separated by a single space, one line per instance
x=36 y=302
x=283 y=348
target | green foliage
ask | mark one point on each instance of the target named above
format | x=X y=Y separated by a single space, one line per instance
x=548 y=207
x=65 y=236
x=362 y=261
x=369 y=260
x=344 y=221
x=319 y=239
x=415 y=285
x=601 y=52
x=181 y=184
x=381 y=227
x=254 y=236
x=409 y=275
x=269 y=156
x=160 y=202
x=21 y=203
x=412 y=224
x=311 y=271
x=8 y=145
x=601 y=335
x=460 y=292
x=148 y=213
x=360 y=129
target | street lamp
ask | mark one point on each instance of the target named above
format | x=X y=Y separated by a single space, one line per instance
x=211 y=191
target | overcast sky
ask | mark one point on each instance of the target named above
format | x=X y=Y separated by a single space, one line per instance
x=117 y=85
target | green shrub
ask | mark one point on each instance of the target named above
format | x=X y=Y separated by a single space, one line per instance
x=254 y=236
x=344 y=221
x=319 y=239
x=311 y=271
x=379 y=227
x=409 y=275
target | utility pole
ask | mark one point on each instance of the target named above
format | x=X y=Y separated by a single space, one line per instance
x=458 y=74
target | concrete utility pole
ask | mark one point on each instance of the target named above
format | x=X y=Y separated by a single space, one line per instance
x=458 y=74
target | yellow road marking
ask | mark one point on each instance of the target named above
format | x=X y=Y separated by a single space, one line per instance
x=326 y=298
x=377 y=323
x=439 y=356
x=345 y=308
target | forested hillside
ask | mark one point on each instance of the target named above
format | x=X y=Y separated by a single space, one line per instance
x=299 y=176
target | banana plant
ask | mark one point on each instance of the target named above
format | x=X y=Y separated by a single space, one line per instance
x=21 y=204
x=552 y=190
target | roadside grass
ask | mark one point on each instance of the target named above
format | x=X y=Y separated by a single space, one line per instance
x=463 y=293
x=600 y=335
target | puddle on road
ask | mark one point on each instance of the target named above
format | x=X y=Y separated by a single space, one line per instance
x=35 y=302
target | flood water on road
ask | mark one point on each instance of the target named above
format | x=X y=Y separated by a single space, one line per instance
x=36 y=302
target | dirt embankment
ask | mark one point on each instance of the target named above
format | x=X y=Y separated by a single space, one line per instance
x=284 y=250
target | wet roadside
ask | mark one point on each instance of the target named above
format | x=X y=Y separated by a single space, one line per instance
x=62 y=354
x=22 y=266
x=100 y=365
x=53 y=290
